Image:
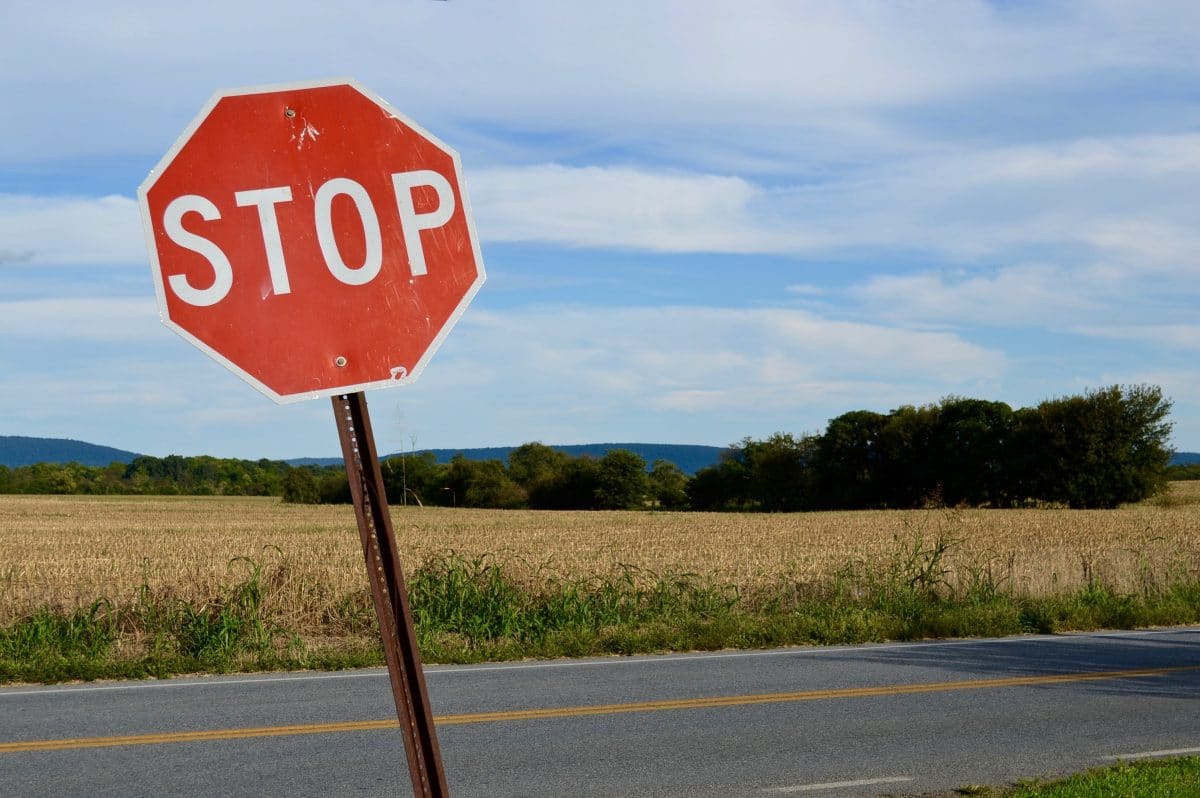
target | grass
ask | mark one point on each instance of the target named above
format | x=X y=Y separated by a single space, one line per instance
x=93 y=587
x=1161 y=778
x=470 y=609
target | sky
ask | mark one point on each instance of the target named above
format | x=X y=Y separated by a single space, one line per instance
x=700 y=221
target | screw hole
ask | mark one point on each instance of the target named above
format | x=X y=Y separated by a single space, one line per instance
x=289 y=112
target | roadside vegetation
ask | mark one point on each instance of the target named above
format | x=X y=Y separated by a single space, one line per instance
x=1159 y=778
x=93 y=587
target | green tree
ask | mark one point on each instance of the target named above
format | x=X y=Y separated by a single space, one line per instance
x=300 y=487
x=668 y=485
x=50 y=478
x=481 y=483
x=621 y=482
x=532 y=463
x=109 y=480
x=414 y=478
x=779 y=471
x=706 y=490
x=850 y=461
x=1097 y=450
x=723 y=486
x=972 y=442
x=334 y=487
x=574 y=488
x=457 y=480
x=1182 y=472
x=490 y=486
x=1144 y=417
x=908 y=471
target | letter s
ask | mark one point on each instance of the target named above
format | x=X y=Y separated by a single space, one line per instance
x=223 y=272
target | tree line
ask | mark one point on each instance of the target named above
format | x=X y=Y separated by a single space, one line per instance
x=1095 y=450
x=171 y=475
x=1098 y=449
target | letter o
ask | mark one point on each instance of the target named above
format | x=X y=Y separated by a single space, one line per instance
x=323 y=212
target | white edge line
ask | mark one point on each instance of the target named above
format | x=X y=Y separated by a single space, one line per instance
x=662 y=659
x=1153 y=754
x=166 y=684
x=834 y=785
x=435 y=670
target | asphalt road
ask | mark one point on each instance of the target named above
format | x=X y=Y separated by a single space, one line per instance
x=865 y=720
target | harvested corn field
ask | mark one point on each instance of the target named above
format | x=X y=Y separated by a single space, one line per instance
x=65 y=552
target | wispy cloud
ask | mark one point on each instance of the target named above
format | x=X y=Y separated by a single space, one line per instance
x=984 y=202
x=1122 y=197
x=70 y=230
x=1184 y=337
x=82 y=320
x=770 y=71
x=623 y=208
x=690 y=358
x=1126 y=198
x=1040 y=295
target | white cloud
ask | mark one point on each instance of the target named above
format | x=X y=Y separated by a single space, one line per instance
x=1157 y=244
x=97 y=320
x=70 y=230
x=1151 y=156
x=1131 y=199
x=682 y=374
x=563 y=374
x=1185 y=337
x=624 y=208
x=681 y=357
x=143 y=401
x=1024 y=295
x=769 y=70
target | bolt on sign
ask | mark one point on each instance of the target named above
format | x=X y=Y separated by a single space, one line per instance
x=316 y=242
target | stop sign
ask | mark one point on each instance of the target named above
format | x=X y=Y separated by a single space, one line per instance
x=310 y=238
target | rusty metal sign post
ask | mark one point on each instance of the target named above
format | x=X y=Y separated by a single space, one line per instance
x=390 y=596
x=292 y=230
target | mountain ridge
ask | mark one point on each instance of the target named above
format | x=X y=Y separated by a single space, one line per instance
x=689 y=457
x=19 y=450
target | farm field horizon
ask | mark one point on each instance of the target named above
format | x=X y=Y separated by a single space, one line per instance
x=67 y=551
x=119 y=586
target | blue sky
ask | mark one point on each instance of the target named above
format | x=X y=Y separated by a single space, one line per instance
x=700 y=220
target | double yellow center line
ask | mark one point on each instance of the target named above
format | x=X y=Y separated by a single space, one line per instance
x=582 y=711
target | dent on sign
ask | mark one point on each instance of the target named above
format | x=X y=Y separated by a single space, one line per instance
x=265 y=200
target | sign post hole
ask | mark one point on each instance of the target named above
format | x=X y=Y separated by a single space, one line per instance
x=389 y=595
x=316 y=242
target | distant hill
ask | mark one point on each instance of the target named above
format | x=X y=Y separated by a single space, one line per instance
x=689 y=457
x=17 y=450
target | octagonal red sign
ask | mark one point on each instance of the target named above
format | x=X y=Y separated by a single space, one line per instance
x=310 y=238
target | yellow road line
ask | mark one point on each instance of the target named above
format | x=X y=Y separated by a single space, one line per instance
x=581 y=711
